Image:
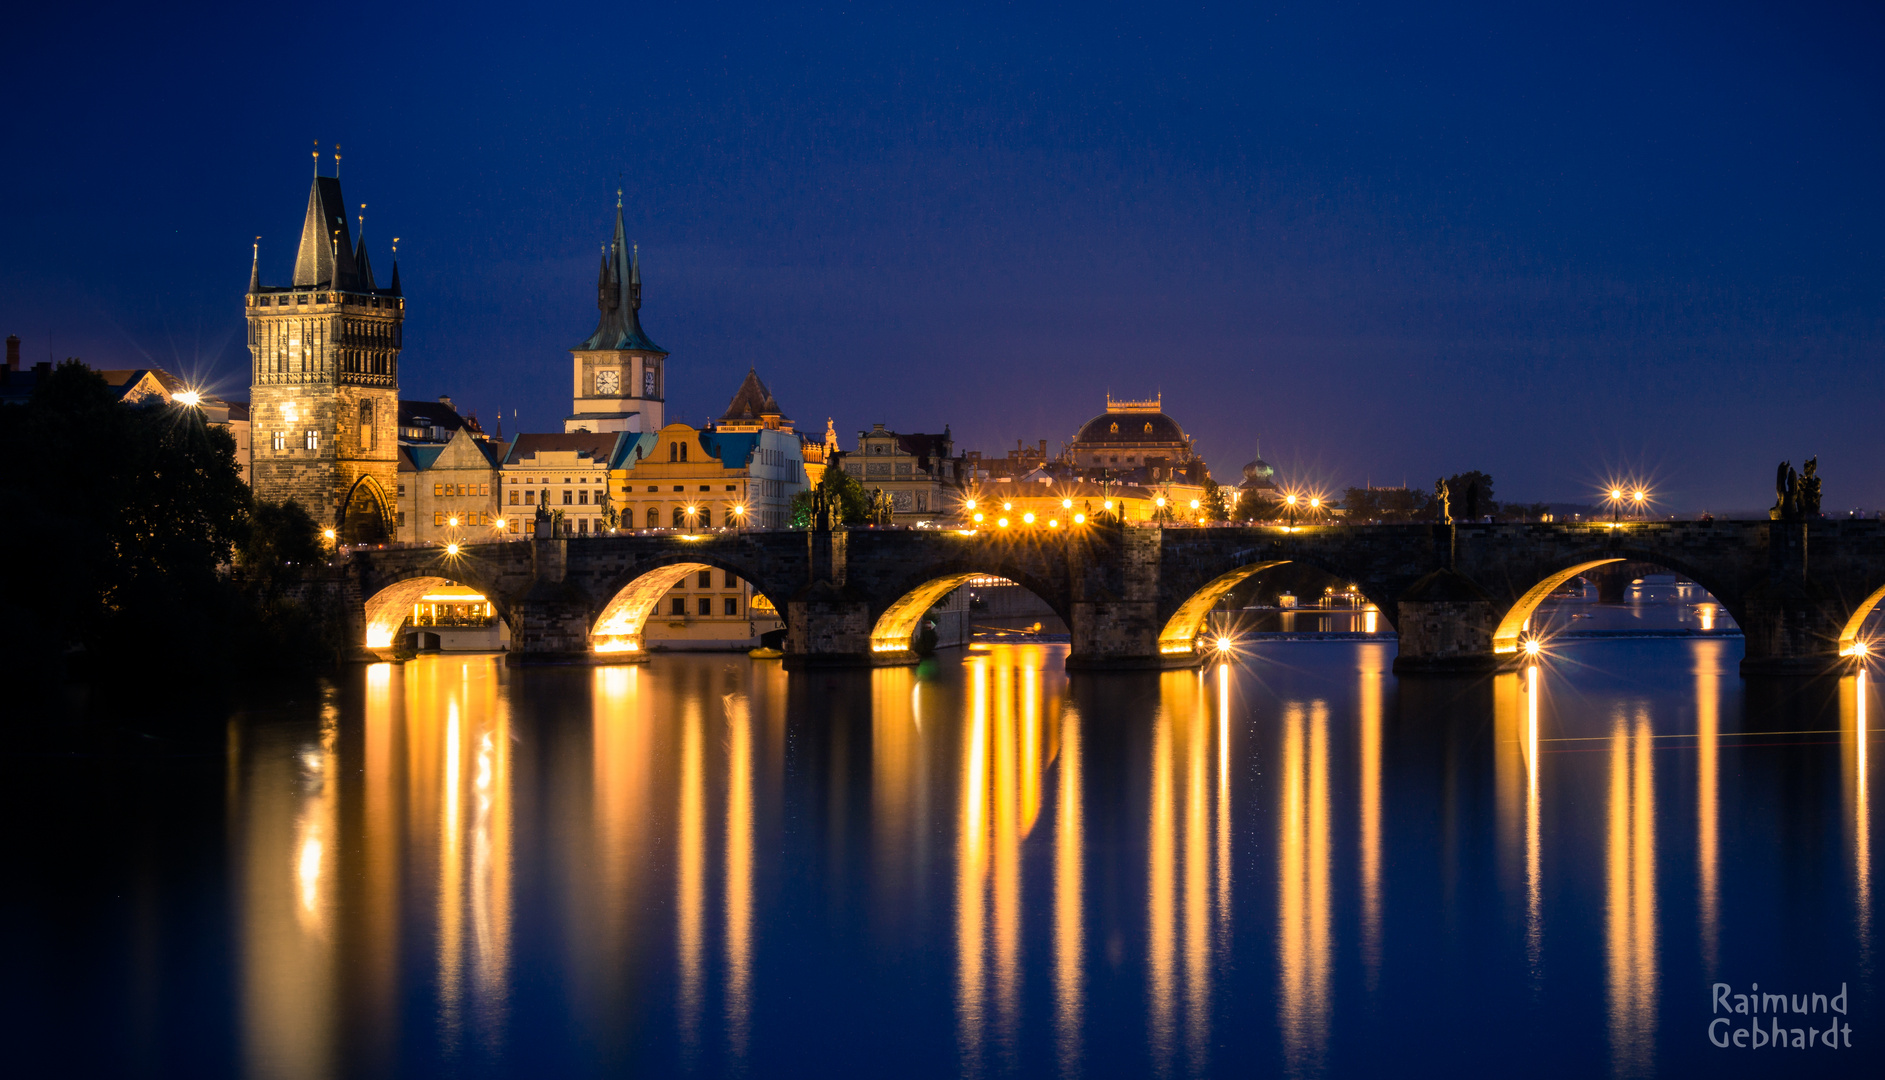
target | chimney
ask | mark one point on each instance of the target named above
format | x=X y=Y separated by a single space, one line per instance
x=13 y=352
x=447 y=402
x=1043 y=449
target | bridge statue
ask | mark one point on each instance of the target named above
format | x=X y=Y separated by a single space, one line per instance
x=1786 y=501
x=1442 y=501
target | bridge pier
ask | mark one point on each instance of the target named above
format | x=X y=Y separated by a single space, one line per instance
x=550 y=623
x=1445 y=624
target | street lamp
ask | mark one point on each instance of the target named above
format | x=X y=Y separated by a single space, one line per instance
x=1616 y=504
x=1638 y=496
x=739 y=516
x=188 y=397
x=693 y=516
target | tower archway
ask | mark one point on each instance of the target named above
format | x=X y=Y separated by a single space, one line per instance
x=364 y=518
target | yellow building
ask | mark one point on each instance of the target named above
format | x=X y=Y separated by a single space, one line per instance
x=1041 y=502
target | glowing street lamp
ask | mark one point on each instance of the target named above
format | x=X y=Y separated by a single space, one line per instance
x=1003 y=522
x=978 y=518
x=1532 y=647
x=1007 y=506
x=500 y=524
x=693 y=516
x=1066 y=504
x=188 y=397
x=1637 y=497
x=739 y=515
x=969 y=504
x=451 y=549
x=327 y=535
x=1028 y=517
x=1079 y=519
x=452 y=521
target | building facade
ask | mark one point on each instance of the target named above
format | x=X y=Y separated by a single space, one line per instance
x=917 y=471
x=619 y=375
x=571 y=472
x=1135 y=442
x=324 y=388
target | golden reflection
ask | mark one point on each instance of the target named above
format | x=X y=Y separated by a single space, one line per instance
x=899 y=827
x=290 y=802
x=378 y=951
x=1707 y=818
x=739 y=873
x=461 y=786
x=1069 y=931
x=970 y=855
x=1630 y=893
x=1303 y=887
x=690 y=882
x=1371 y=675
x=1534 y=854
x=1854 y=693
x=1187 y=866
x=607 y=888
x=1011 y=736
x=1161 y=913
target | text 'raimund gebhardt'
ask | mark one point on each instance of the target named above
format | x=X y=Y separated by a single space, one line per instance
x=1758 y=1021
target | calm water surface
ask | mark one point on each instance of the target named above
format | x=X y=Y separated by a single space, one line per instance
x=1295 y=864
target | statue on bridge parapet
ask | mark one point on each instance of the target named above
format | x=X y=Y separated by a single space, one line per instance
x=1796 y=497
x=1443 y=501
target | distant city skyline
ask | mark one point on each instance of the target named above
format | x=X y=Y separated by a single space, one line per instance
x=1388 y=246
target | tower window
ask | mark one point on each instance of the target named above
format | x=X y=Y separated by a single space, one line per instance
x=366 y=425
x=278 y=440
x=312 y=439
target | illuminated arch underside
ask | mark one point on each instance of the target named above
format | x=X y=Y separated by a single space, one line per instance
x=1849 y=634
x=895 y=626
x=388 y=608
x=1505 y=638
x=620 y=627
x=1181 y=630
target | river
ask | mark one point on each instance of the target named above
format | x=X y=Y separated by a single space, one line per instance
x=1292 y=863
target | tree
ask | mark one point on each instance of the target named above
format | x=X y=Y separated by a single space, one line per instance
x=283 y=542
x=1213 y=504
x=1385 y=504
x=852 y=501
x=1472 y=495
x=120 y=537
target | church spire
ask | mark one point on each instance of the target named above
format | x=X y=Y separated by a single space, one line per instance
x=255 y=267
x=325 y=253
x=618 y=296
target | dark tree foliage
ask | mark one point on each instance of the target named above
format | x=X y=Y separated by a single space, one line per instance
x=850 y=497
x=1472 y=495
x=118 y=555
x=1387 y=504
x=1213 y=504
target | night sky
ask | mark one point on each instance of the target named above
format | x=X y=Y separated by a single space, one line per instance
x=1391 y=241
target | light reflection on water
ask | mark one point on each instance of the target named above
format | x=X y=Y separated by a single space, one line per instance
x=1293 y=863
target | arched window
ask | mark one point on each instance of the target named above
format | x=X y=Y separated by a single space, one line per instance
x=1115 y=429
x=683 y=451
x=654 y=518
x=1148 y=427
x=680 y=518
x=367 y=434
x=674 y=451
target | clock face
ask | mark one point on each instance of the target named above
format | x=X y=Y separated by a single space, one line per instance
x=648 y=383
x=608 y=382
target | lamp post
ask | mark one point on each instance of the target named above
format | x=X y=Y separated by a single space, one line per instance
x=1616 y=504
x=739 y=517
x=1638 y=496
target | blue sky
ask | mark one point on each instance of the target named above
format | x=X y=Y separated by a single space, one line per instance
x=1392 y=241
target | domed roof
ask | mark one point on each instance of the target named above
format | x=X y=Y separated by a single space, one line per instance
x=1131 y=427
x=1259 y=469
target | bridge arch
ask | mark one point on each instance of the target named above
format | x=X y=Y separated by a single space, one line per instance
x=895 y=625
x=1179 y=633
x=1849 y=632
x=387 y=607
x=633 y=596
x=1506 y=636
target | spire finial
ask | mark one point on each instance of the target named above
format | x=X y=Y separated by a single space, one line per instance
x=255 y=267
x=363 y=221
x=336 y=161
x=618 y=198
x=317 y=157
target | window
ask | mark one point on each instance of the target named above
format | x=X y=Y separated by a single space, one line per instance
x=438 y=517
x=438 y=490
x=732 y=582
x=679 y=487
x=582 y=526
x=1148 y=427
x=706 y=605
x=677 y=606
x=652 y=488
x=706 y=487
x=513 y=497
x=402 y=491
x=733 y=487
x=654 y=518
x=680 y=520
x=366 y=425
x=598 y=498
x=530 y=497
x=279 y=440
x=484 y=489
x=312 y=439
x=674 y=451
x=582 y=497
x=1115 y=429
x=565 y=480
x=568 y=496
x=706 y=579
x=732 y=605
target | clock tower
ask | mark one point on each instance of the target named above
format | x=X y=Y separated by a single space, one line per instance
x=620 y=375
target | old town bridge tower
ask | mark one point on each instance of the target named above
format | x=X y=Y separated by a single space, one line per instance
x=324 y=395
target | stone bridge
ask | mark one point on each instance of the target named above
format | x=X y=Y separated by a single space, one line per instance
x=1134 y=596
